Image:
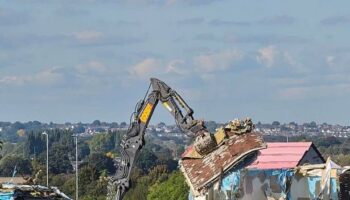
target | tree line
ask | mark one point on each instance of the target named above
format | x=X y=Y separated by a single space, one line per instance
x=154 y=171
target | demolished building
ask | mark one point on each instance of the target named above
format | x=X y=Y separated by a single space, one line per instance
x=272 y=174
x=245 y=167
x=201 y=173
x=238 y=145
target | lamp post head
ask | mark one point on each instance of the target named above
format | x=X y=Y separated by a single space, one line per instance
x=44 y=133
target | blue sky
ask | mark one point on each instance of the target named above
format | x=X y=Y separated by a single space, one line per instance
x=80 y=60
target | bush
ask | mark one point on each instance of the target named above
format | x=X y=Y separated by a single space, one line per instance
x=175 y=188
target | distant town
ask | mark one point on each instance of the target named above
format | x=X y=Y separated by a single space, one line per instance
x=17 y=129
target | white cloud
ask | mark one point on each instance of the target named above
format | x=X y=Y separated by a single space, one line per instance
x=49 y=76
x=337 y=62
x=294 y=93
x=267 y=56
x=191 y=94
x=289 y=59
x=208 y=77
x=45 y=77
x=14 y=80
x=220 y=61
x=146 y=68
x=91 y=67
x=277 y=20
x=288 y=81
x=336 y=20
x=315 y=91
x=177 y=67
x=88 y=35
x=330 y=60
x=3 y=55
x=171 y=2
x=158 y=67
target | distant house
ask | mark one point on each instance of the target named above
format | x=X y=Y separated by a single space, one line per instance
x=270 y=174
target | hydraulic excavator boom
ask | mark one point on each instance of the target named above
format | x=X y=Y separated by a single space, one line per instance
x=134 y=139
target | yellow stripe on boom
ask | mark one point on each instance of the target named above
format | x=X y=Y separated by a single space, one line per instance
x=146 y=113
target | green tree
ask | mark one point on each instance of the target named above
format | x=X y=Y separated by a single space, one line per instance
x=174 y=188
x=100 y=162
x=96 y=123
x=35 y=143
x=8 y=163
x=87 y=175
x=146 y=160
x=123 y=125
x=343 y=160
x=93 y=184
x=59 y=159
x=158 y=174
x=276 y=123
x=1 y=144
x=84 y=149
x=102 y=142
x=69 y=187
x=60 y=179
x=139 y=190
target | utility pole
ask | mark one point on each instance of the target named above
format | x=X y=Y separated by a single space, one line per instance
x=47 y=158
x=76 y=168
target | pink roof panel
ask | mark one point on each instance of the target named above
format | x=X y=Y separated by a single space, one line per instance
x=280 y=155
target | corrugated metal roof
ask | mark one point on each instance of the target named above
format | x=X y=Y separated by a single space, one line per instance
x=279 y=155
x=202 y=172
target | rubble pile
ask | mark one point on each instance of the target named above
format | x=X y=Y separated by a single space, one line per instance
x=30 y=192
x=236 y=142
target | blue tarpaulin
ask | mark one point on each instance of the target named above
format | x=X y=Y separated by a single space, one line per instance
x=6 y=195
x=283 y=177
x=231 y=182
x=312 y=181
x=334 y=192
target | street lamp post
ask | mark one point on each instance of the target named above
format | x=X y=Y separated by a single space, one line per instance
x=76 y=168
x=47 y=158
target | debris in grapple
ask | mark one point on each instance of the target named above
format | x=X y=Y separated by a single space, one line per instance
x=237 y=141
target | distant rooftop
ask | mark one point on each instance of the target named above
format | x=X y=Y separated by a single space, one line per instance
x=281 y=155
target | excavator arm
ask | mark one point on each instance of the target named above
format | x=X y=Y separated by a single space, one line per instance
x=134 y=139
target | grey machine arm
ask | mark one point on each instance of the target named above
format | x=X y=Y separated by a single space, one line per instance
x=134 y=139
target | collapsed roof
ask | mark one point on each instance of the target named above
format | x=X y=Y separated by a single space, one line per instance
x=201 y=173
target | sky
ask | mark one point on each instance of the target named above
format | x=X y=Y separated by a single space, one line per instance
x=81 y=60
